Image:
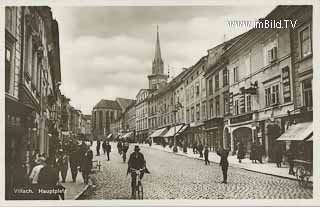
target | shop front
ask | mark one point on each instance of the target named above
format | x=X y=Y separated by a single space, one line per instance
x=195 y=135
x=214 y=133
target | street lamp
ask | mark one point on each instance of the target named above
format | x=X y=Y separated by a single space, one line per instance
x=177 y=107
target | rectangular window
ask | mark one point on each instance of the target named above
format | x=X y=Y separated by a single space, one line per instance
x=267 y=94
x=305 y=42
x=192 y=114
x=216 y=81
x=198 y=112
x=286 y=84
x=210 y=86
x=307 y=93
x=235 y=74
x=249 y=103
x=203 y=110
x=225 y=77
x=197 y=89
x=192 y=91
x=275 y=94
x=188 y=115
x=217 y=100
x=272 y=54
x=211 y=107
x=226 y=103
x=236 y=107
x=7 y=68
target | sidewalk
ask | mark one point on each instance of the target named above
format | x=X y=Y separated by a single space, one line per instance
x=265 y=168
x=74 y=189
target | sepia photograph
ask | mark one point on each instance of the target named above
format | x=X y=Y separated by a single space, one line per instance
x=158 y=102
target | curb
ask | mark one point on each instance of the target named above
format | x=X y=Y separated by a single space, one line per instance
x=233 y=165
x=82 y=191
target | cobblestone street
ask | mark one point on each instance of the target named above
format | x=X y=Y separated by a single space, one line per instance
x=178 y=177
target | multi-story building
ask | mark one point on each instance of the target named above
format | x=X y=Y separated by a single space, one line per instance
x=86 y=126
x=142 y=127
x=103 y=114
x=129 y=121
x=32 y=76
x=261 y=85
x=195 y=102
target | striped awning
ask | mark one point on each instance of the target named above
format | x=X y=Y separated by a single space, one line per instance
x=159 y=132
x=173 y=130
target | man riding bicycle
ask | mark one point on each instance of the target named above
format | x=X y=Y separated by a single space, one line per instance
x=136 y=162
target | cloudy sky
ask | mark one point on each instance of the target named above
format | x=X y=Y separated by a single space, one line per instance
x=106 y=52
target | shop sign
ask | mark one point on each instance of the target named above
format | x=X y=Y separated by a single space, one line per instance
x=239 y=119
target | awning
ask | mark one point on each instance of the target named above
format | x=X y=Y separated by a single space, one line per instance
x=182 y=129
x=310 y=139
x=297 y=132
x=109 y=136
x=127 y=135
x=159 y=132
x=172 y=130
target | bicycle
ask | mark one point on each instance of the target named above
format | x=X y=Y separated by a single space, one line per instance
x=138 y=188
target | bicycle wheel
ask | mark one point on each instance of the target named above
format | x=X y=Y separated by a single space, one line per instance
x=300 y=174
x=140 y=191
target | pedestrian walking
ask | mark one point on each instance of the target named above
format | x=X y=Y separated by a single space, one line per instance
x=108 y=149
x=200 y=149
x=206 y=156
x=98 y=147
x=62 y=164
x=74 y=161
x=119 y=146
x=253 y=153
x=49 y=179
x=86 y=165
x=104 y=146
x=125 y=148
x=259 y=152
x=194 y=148
x=223 y=153
x=278 y=155
x=290 y=156
x=241 y=151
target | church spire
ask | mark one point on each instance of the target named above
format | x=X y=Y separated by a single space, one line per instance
x=157 y=62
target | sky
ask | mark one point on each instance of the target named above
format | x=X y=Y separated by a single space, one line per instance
x=107 y=52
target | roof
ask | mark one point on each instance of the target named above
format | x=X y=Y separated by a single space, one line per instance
x=107 y=104
x=124 y=103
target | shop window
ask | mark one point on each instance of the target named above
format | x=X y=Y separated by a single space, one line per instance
x=272 y=95
x=272 y=54
x=305 y=42
x=307 y=93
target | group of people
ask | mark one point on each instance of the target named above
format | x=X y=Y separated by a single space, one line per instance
x=106 y=148
x=123 y=148
x=256 y=151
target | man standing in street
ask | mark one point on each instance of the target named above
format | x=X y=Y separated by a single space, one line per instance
x=108 y=149
x=62 y=163
x=224 y=163
x=200 y=148
x=74 y=162
x=98 y=147
x=206 y=156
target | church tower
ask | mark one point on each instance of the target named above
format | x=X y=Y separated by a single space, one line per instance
x=157 y=76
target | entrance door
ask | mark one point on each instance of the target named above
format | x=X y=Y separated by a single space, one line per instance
x=244 y=135
x=273 y=132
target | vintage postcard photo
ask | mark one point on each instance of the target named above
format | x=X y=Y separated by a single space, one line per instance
x=158 y=102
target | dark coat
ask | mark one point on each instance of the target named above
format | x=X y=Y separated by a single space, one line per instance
x=104 y=145
x=241 y=151
x=48 y=176
x=278 y=154
x=290 y=155
x=86 y=163
x=254 y=152
x=74 y=159
x=137 y=161
x=206 y=152
x=108 y=148
x=223 y=157
x=98 y=144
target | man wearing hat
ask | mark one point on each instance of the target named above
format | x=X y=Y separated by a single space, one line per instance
x=136 y=162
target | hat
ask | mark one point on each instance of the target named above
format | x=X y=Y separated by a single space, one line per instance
x=41 y=160
x=136 y=148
